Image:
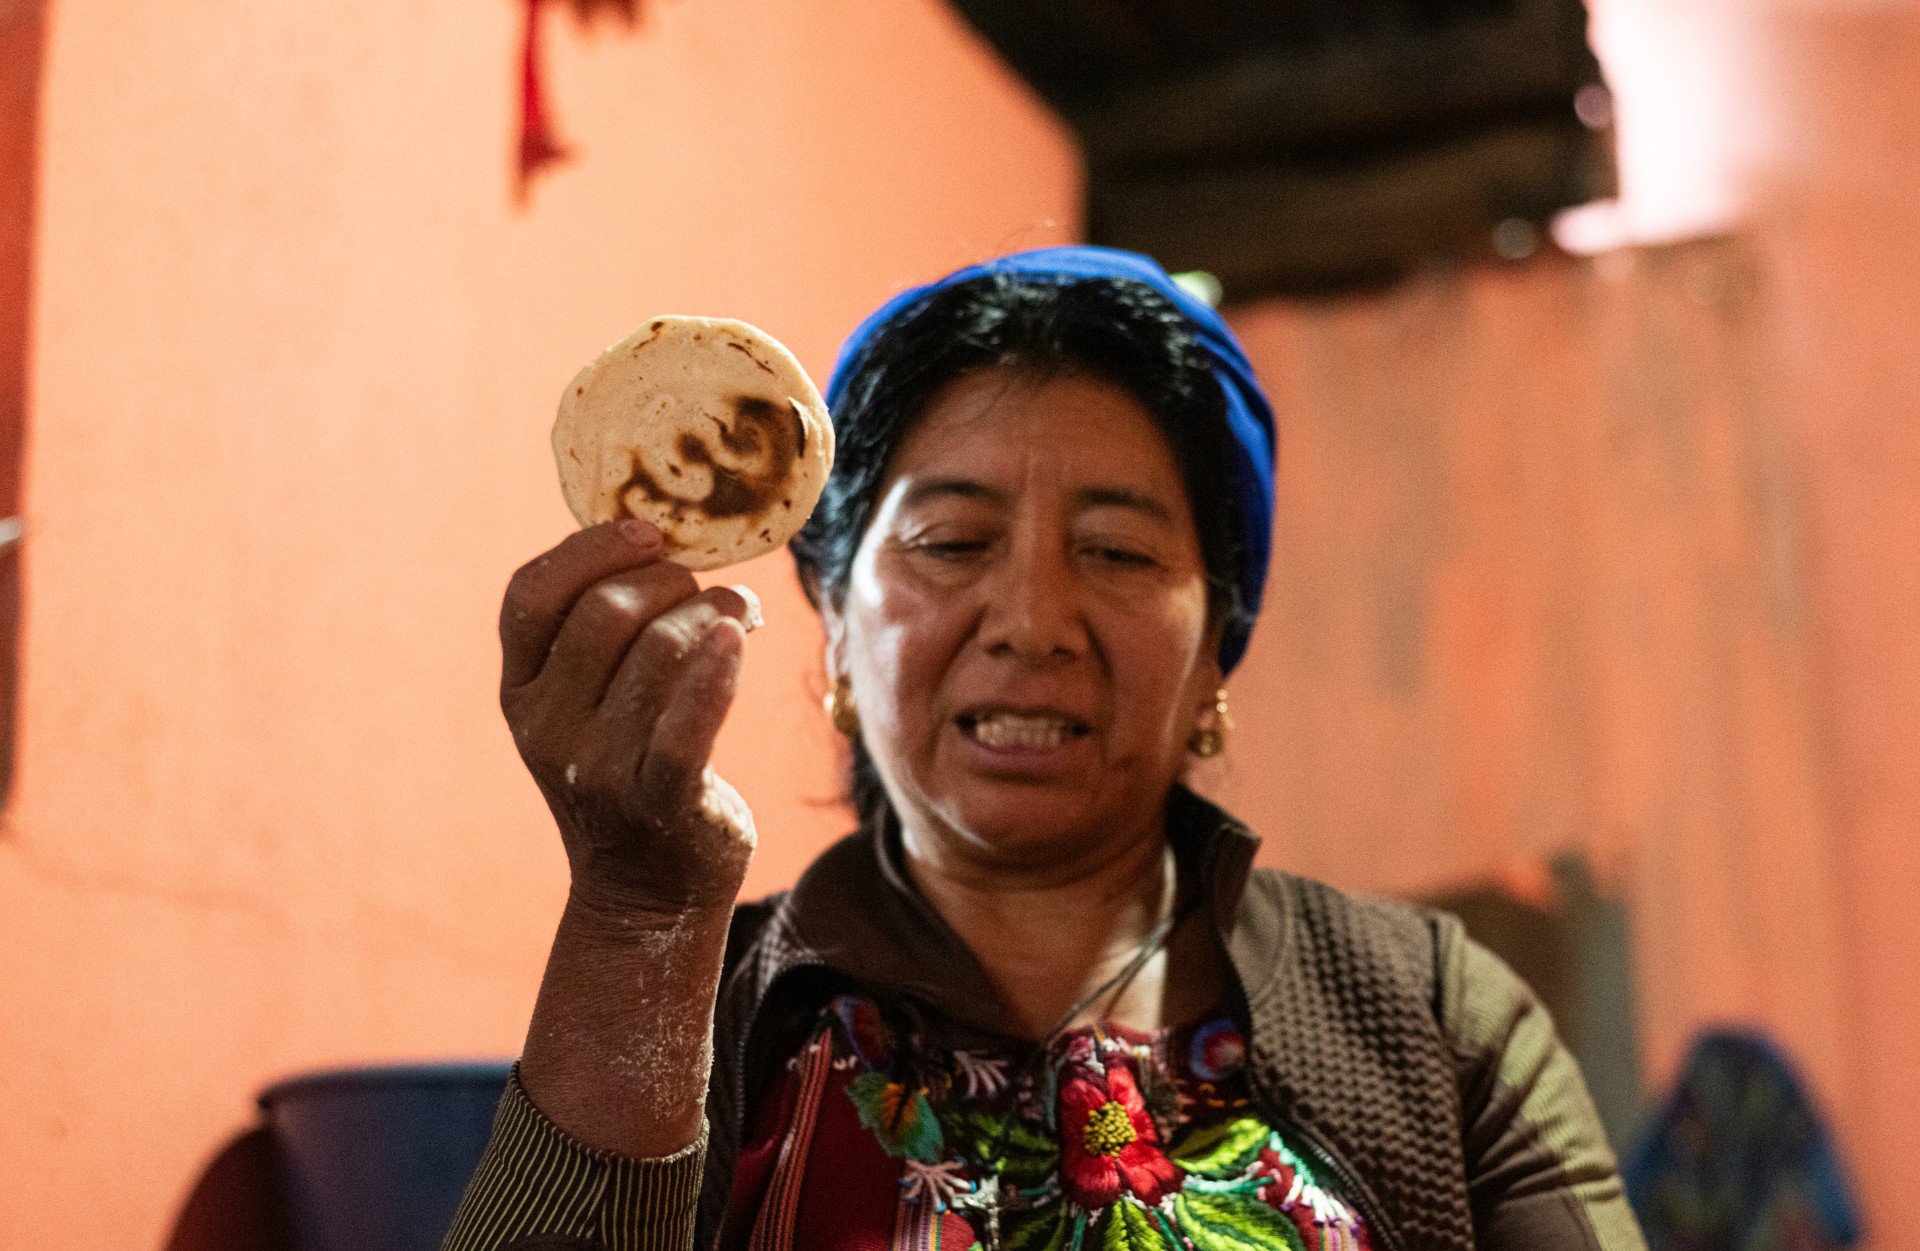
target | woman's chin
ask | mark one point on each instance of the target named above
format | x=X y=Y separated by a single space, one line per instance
x=1030 y=826
x=1031 y=810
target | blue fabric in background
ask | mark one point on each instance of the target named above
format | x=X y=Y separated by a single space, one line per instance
x=1249 y=417
x=1738 y=1160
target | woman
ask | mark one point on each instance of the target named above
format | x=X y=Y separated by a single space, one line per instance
x=1038 y=1001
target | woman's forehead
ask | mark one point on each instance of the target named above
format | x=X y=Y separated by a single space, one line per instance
x=997 y=430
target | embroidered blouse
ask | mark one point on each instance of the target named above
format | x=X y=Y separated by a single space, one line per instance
x=884 y=1133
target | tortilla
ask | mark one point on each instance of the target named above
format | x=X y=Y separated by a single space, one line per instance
x=707 y=428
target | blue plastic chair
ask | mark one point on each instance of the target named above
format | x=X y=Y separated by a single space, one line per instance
x=376 y=1159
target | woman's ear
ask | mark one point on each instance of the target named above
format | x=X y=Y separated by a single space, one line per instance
x=1211 y=676
x=834 y=626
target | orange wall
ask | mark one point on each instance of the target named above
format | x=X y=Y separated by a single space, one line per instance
x=1844 y=211
x=1620 y=554
x=1541 y=585
x=294 y=362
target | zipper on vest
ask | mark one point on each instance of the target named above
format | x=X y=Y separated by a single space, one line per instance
x=1351 y=1187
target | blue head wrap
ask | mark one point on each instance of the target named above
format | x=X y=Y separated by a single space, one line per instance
x=1249 y=418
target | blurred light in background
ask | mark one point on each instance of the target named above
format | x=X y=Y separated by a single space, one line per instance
x=1688 y=80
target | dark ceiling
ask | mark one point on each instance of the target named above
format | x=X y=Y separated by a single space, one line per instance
x=1314 y=146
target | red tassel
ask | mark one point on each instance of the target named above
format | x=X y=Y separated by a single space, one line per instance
x=538 y=146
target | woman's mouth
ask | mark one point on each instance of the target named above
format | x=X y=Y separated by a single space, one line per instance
x=1027 y=730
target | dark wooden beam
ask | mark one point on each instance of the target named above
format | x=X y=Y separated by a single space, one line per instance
x=1304 y=146
x=1298 y=228
x=1394 y=87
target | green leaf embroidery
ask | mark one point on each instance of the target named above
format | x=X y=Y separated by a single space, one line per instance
x=1230 y=1222
x=1043 y=1229
x=1223 y=1150
x=1130 y=1227
x=1021 y=1154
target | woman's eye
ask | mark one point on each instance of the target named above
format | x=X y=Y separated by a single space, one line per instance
x=1121 y=557
x=954 y=549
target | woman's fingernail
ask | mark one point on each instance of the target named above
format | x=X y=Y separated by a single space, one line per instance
x=719 y=626
x=643 y=533
x=753 y=620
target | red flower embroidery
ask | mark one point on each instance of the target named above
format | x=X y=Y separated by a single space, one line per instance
x=1108 y=1142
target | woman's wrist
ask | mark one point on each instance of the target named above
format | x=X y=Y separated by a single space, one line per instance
x=615 y=917
x=619 y=1047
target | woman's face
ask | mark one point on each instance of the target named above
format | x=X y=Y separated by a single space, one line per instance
x=1025 y=629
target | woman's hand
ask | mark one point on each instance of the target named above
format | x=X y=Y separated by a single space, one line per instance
x=617 y=673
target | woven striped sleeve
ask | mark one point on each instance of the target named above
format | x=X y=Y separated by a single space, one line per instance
x=538 y=1186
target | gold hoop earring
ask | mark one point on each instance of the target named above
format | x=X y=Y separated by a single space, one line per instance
x=841 y=710
x=1210 y=736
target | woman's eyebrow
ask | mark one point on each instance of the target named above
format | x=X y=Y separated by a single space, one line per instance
x=926 y=490
x=1121 y=497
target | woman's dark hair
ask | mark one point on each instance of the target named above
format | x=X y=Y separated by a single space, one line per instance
x=1116 y=329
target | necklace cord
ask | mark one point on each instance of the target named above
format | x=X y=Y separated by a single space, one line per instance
x=1116 y=985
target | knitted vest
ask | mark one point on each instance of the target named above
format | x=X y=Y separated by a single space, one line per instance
x=1345 y=1043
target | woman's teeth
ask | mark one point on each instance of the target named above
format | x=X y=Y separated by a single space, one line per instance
x=1007 y=730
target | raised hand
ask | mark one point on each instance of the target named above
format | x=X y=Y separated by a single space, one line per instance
x=617 y=671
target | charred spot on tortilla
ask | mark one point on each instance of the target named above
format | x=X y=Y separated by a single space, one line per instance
x=741 y=484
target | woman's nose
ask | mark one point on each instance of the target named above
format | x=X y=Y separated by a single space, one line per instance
x=1033 y=611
